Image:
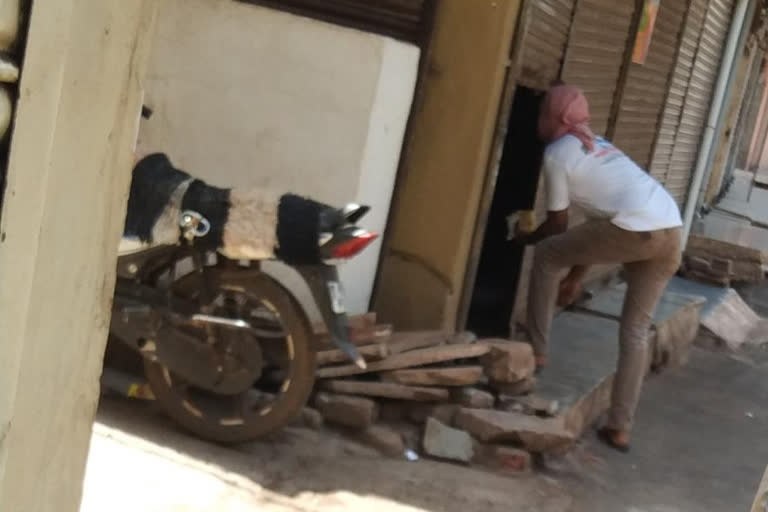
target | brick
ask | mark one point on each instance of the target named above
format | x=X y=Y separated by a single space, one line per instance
x=348 y=411
x=508 y=362
x=503 y=459
x=473 y=398
x=538 y=435
x=448 y=443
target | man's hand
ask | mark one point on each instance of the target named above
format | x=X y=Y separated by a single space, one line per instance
x=570 y=290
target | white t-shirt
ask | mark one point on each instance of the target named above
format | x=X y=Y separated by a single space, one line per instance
x=607 y=184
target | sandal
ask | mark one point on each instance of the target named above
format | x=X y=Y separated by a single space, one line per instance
x=608 y=436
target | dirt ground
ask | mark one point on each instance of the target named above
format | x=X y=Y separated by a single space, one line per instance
x=699 y=446
x=139 y=462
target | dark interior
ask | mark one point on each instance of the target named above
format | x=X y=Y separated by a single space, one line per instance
x=499 y=267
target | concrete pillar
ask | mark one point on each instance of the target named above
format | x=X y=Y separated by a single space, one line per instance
x=64 y=206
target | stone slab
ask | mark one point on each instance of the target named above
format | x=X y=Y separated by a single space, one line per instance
x=374 y=352
x=409 y=359
x=538 y=435
x=386 y=390
x=675 y=322
x=348 y=411
x=725 y=316
x=455 y=376
x=582 y=356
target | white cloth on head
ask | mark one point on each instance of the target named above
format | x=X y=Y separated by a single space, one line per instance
x=606 y=184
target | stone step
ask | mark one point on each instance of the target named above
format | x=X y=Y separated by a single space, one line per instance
x=675 y=322
x=584 y=349
x=580 y=369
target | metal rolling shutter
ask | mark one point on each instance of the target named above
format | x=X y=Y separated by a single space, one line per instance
x=596 y=52
x=545 y=24
x=408 y=20
x=642 y=100
x=662 y=155
x=698 y=97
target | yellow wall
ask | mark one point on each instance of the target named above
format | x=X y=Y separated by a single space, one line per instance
x=436 y=206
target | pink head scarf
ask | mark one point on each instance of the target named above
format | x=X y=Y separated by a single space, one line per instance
x=565 y=111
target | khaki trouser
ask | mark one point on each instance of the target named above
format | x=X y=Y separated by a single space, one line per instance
x=650 y=260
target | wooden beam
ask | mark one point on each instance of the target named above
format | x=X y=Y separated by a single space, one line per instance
x=64 y=208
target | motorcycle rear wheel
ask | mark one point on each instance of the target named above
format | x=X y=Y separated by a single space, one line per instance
x=238 y=423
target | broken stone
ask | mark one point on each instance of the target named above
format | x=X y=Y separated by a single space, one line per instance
x=538 y=435
x=442 y=412
x=444 y=442
x=311 y=418
x=409 y=359
x=523 y=387
x=455 y=376
x=383 y=439
x=386 y=390
x=509 y=361
x=473 y=398
x=532 y=405
x=504 y=459
x=348 y=411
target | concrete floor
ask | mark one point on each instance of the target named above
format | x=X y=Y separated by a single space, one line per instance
x=699 y=443
x=699 y=446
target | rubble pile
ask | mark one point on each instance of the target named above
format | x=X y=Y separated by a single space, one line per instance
x=448 y=396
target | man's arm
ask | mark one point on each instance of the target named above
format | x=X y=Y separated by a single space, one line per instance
x=556 y=223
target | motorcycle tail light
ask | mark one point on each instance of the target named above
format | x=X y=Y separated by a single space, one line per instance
x=354 y=245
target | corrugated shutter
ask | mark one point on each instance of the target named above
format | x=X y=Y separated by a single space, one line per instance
x=596 y=52
x=642 y=100
x=699 y=59
x=408 y=20
x=546 y=24
x=670 y=121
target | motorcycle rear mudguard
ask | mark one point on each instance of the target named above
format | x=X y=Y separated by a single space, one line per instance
x=323 y=282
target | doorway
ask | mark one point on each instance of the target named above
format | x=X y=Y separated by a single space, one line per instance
x=498 y=272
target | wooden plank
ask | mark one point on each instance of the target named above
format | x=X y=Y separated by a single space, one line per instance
x=456 y=376
x=387 y=390
x=63 y=213
x=369 y=352
x=409 y=359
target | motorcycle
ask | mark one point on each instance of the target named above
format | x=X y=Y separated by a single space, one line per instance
x=227 y=350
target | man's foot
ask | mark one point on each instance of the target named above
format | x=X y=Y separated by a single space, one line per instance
x=615 y=438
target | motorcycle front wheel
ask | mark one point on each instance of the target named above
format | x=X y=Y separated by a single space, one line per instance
x=281 y=343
